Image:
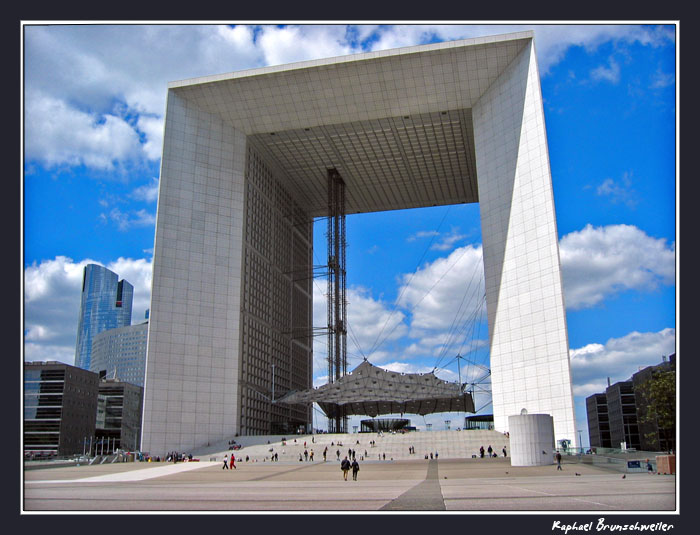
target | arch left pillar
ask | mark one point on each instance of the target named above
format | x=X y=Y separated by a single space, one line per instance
x=192 y=367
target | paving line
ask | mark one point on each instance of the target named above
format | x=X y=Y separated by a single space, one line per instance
x=134 y=475
x=560 y=496
x=426 y=495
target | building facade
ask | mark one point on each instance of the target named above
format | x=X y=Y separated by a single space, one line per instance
x=243 y=175
x=652 y=436
x=121 y=353
x=622 y=415
x=60 y=407
x=598 y=422
x=118 y=417
x=105 y=303
x=619 y=414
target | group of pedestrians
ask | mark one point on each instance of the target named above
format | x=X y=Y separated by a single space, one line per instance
x=491 y=452
x=232 y=463
x=346 y=466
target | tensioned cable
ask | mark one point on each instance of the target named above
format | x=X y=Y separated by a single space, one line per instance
x=462 y=326
x=411 y=309
x=455 y=323
x=398 y=299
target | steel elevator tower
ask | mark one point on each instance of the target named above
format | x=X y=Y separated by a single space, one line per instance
x=337 y=326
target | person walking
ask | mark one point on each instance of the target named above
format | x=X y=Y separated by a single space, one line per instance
x=355 y=468
x=504 y=452
x=225 y=466
x=481 y=452
x=558 y=456
x=345 y=466
x=490 y=450
x=232 y=462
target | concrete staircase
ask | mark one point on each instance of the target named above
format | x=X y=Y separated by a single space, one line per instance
x=387 y=446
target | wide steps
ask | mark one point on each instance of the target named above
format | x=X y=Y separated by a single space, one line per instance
x=386 y=447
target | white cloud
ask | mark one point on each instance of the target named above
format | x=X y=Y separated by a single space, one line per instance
x=289 y=44
x=448 y=288
x=662 y=79
x=600 y=262
x=96 y=93
x=618 y=359
x=619 y=191
x=126 y=221
x=52 y=303
x=58 y=134
x=371 y=326
x=152 y=129
x=610 y=73
x=147 y=192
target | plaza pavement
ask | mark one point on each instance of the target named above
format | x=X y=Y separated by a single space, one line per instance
x=448 y=485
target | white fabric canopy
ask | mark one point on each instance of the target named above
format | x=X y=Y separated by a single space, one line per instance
x=372 y=391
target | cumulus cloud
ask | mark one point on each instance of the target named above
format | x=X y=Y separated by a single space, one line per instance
x=448 y=288
x=96 y=93
x=618 y=359
x=600 y=262
x=371 y=326
x=59 y=134
x=52 y=303
x=442 y=304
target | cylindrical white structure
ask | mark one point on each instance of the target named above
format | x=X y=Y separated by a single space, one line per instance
x=531 y=439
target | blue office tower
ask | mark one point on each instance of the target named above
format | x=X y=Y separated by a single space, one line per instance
x=105 y=304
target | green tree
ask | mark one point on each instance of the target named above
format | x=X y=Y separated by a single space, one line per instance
x=658 y=395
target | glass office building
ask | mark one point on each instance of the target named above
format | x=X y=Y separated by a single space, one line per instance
x=105 y=304
x=121 y=353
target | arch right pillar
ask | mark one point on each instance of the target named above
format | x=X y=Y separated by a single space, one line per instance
x=528 y=337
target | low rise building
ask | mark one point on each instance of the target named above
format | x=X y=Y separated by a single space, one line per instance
x=60 y=407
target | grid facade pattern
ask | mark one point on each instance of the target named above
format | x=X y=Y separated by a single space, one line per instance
x=60 y=404
x=598 y=422
x=277 y=304
x=121 y=353
x=118 y=419
x=622 y=415
x=524 y=298
x=105 y=303
x=192 y=367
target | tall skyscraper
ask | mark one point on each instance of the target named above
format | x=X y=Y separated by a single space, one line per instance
x=105 y=304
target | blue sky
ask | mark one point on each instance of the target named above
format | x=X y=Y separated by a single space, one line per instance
x=94 y=100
